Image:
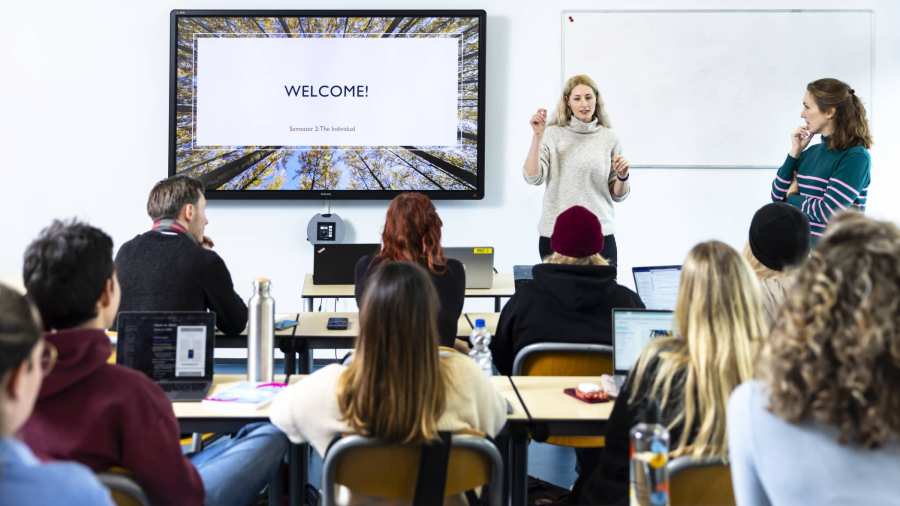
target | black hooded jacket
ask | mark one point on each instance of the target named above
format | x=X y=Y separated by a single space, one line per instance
x=564 y=303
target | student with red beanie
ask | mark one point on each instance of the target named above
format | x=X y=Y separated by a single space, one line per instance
x=571 y=297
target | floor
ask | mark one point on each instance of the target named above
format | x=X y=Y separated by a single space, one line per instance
x=550 y=463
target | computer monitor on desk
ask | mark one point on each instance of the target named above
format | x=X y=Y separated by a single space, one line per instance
x=478 y=262
x=657 y=286
x=633 y=329
x=334 y=264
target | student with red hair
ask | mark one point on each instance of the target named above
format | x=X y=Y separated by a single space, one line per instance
x=412 y=233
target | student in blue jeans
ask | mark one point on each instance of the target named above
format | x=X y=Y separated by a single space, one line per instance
x=103 y=415
x=24 y=360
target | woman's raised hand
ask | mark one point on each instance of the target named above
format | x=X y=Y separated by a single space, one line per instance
x=539 y=122
x=621 y=166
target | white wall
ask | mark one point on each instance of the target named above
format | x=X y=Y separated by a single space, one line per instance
x=84 y=130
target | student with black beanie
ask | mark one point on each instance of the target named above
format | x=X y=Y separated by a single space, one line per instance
x=778 y=242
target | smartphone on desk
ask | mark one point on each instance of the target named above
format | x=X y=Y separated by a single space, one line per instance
x=285 y=324
x=337 y=323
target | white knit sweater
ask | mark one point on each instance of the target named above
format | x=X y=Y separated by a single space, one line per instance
x=576 y=162
x=308 y=411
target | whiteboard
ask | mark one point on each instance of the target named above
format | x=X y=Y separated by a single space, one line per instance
x=714 y=88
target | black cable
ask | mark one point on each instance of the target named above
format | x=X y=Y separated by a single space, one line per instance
x=538 y=432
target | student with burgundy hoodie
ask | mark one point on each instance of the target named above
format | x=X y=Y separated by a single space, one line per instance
x=571 y=297
x=104 y=415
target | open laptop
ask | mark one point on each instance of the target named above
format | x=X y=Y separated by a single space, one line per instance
x=334 y=264
x=479 y=264
x=657 y=286
x=632 y=330
x=173 y=348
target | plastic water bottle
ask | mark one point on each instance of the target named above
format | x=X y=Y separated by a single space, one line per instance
x=649 y=451
x=260 y=332
x=481 y=351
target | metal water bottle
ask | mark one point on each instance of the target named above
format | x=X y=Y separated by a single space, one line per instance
x=260 y=332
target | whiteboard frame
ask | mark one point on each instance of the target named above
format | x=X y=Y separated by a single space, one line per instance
x=562 y=60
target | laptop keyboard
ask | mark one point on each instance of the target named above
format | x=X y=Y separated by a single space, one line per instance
x=184 y=387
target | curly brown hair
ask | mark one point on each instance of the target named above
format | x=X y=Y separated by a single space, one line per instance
x=833 y=356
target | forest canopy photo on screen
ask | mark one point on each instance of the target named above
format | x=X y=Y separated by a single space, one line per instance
x=300 y=104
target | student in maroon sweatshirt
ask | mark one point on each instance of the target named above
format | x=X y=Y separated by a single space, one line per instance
x=104 y=415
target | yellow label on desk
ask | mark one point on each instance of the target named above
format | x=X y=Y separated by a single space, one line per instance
x=483 y=251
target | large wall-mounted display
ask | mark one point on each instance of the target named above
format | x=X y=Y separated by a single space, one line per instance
x=328 y=104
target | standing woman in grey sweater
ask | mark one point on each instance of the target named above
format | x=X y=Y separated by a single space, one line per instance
x=580 y=159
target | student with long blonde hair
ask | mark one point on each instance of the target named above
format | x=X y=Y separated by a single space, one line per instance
x=822 y=426
x=689 y=376
x=401 y=386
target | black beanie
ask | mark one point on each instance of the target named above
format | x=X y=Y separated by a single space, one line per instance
x=779 y=235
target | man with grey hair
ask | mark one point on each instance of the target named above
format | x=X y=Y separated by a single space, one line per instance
x=172 y=267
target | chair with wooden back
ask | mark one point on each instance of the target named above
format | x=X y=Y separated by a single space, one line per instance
x=694 y=481
x=370 y=467
x=566 y=359
x=123 y=489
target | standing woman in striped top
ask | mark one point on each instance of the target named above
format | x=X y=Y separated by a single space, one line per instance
x=834 y=174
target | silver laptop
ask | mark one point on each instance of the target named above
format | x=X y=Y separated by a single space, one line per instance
x=173 y=348
x=478 y=262
x=657 y=286
x=633 y=329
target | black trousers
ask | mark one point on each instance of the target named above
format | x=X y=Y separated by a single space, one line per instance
x=610 y=251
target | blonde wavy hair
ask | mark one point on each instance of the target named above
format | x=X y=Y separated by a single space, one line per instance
x=564 y=114
x=833 y=356
x=717 y=323
x=558 y=259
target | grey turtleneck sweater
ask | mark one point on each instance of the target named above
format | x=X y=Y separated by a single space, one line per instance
x=576 y=163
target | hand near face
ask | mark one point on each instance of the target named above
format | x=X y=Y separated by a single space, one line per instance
x=539 y=122
x=621 y=166
x=207 y=242
x=800 y=138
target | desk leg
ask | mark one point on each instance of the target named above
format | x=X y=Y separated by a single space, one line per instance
x=306 y=359
x=519 y=466
x=309 y=304
x=496 y=304
x=290 y=356
x=297 y=465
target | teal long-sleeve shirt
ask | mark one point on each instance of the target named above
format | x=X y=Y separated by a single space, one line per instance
x=829 y=180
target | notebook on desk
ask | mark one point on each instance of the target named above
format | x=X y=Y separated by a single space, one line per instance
x=478 y=262
x=334 y=264
x=173 y=348
x=657 y=286
x=633 y=329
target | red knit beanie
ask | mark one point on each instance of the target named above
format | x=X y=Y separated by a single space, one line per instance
x=577 y=233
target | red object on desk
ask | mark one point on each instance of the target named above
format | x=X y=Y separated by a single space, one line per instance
x=571 y=391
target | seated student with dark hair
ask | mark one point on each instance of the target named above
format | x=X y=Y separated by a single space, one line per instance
x=24 y=360
x=172 y=267
x=104 y=415
x=571 y=297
